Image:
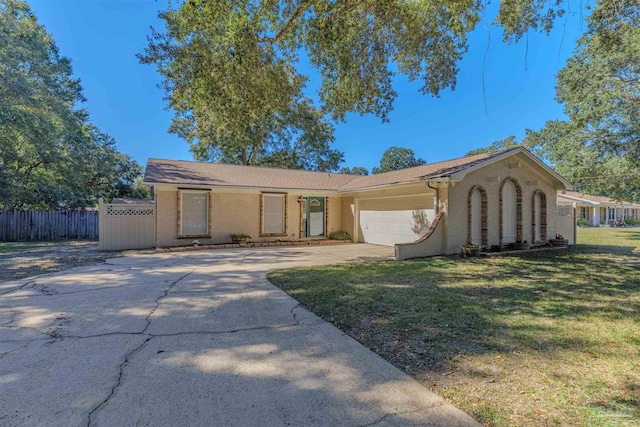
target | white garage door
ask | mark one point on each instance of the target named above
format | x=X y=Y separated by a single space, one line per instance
x=395 y=220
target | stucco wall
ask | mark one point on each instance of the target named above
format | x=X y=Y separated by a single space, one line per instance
x=231 y=213
x=293 y=219
x=530 y=180
x=404 y=190
x=348 y=210
x=429 y=245
x=334 y=215
x=166 y=217
x=234 y=213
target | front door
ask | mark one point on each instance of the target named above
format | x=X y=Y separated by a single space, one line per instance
x=315 y=216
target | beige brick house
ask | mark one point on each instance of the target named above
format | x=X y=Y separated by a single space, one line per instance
x=493 y=198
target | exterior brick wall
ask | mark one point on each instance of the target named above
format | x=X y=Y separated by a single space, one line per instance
x=483 y=214
x=529 y=176
x=518 y=208
x=543 y=215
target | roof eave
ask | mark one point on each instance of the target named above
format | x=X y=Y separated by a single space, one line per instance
x=578 y=199
x=393 y=184
x=239 y=187
x=459 y=176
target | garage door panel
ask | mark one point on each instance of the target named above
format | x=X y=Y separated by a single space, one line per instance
x=398 y=220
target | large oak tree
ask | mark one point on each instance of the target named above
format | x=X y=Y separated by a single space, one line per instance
x=230 y=67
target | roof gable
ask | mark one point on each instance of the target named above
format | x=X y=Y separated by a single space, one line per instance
x=418 y=173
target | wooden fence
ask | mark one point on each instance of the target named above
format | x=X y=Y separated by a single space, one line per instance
x=17 y=226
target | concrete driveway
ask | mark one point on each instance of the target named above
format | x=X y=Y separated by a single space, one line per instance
x=194 y=338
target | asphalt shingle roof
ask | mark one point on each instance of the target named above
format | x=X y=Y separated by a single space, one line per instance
x=181 y=172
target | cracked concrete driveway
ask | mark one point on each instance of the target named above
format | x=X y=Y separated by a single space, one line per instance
x=194 y=338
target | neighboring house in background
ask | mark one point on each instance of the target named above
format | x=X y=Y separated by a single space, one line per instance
x=491 y=198
x=599 y=210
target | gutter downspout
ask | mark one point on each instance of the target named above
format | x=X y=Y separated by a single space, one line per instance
x=436 y=198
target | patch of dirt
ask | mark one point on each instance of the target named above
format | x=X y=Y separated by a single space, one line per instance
x=60 y=256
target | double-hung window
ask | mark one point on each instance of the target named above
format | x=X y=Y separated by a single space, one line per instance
x=274 y=207
x=194 y=213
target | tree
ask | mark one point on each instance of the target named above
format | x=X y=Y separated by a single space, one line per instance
x=356 y=170
x=600 y=85
x=561 y=143
x=503 y=144
x=50 y=155
x=295 y=138
x=598 y=147
x=396 y=158
x=229 y=67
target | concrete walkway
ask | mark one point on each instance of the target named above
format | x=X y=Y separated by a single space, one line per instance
x=195 y=338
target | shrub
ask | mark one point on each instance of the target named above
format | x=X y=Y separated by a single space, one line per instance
x=239 y=237
x=584 y=223
x=632 y=221
x=340 y=235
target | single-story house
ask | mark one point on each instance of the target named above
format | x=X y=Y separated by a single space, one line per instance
x=599 y=210
x=488 y=199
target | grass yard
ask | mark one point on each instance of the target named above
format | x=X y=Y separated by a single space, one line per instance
x=546 y=339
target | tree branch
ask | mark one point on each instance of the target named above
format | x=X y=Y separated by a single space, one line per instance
x=304 y=5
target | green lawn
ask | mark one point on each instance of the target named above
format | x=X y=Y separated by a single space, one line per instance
x=547 y=339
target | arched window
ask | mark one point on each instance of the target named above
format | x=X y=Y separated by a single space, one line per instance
x=539 y=216
x=477 y=216
x=510 y=211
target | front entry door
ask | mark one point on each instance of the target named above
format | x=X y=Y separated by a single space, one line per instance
x=315 y=216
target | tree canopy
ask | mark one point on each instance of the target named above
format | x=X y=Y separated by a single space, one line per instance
x=298 y=137
x=598 y=147
x=50 y=154
x=503 y=144
x=356 y=170
x=600 y=85
x=230 y=74
x=396 y=158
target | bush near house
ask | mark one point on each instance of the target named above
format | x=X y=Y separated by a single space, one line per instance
x=340 y=235
x=584 y=223
x=632 y=222
x=543 y=339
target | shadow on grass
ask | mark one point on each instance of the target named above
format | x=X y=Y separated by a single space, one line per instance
x=633 y=235
x=423 y=313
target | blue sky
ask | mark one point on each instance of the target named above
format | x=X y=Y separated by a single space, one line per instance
x=101 y=37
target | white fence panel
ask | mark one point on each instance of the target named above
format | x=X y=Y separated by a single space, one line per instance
x=567 y=225
x=127 y=226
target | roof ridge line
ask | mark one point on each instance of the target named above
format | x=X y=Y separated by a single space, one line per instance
x=249 y=166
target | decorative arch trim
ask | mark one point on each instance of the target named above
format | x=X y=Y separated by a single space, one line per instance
x=543 y=215
x=518 y=208
x=483 y=214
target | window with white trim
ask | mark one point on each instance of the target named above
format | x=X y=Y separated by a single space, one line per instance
x=194 y=213
x=273 y=214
